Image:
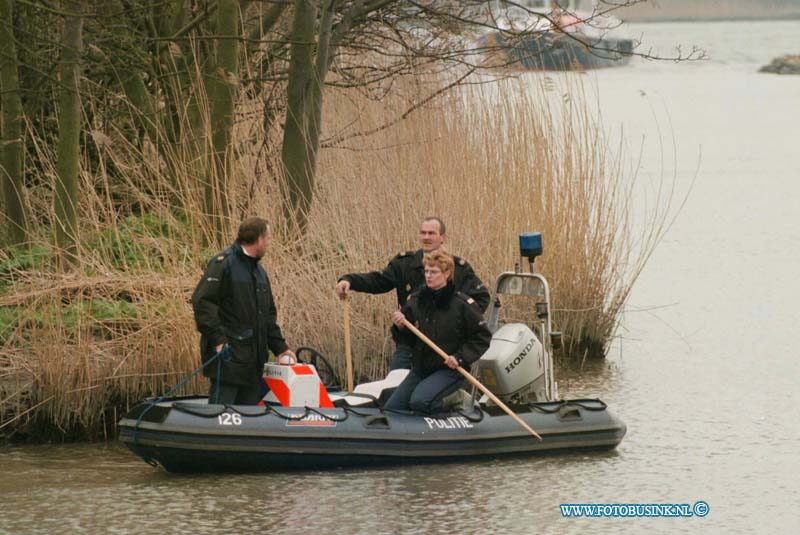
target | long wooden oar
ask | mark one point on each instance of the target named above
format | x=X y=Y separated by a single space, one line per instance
x=348 y=355
x=470 y=378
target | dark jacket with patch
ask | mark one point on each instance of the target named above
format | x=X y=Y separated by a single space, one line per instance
x=451 y=321
x=233 y=305
x=405 y=273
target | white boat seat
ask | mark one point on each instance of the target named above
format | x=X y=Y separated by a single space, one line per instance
x=369 y=392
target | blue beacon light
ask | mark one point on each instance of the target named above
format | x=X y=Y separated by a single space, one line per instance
x=530 y=246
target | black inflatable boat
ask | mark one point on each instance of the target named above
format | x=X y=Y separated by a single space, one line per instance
x=303 y=424
x=188 y=435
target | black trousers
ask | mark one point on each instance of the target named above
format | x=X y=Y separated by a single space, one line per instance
x=424 y=393
x=235 y=394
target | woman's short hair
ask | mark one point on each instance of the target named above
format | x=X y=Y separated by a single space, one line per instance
x=251 y=230
x=442 y=260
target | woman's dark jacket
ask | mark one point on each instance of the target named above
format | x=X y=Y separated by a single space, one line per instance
x=233 y=305
x=450 y=319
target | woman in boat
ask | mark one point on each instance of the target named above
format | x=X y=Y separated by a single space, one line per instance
x=454 y=322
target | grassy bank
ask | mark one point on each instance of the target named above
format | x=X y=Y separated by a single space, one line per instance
x=79 y=348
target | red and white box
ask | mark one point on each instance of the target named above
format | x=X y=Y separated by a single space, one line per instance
x=295 y=386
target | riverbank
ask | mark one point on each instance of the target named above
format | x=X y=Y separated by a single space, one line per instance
x=789 y=64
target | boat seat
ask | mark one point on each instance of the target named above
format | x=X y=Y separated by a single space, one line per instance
x=368 y=393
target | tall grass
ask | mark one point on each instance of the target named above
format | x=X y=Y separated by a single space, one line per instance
x=491 y=160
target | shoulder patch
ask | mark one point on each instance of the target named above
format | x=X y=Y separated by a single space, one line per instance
x=464 y=297
x=461 y=262
x=220 y=258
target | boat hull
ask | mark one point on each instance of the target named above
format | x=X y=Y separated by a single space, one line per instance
x=559 y=52
x=187 y=435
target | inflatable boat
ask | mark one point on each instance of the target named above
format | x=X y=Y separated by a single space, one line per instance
x=304 y=422
x=189 y=435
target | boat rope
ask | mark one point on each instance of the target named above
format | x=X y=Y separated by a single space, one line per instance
x=204 y=411
x=475 y=417
x=149 y=460
x=300 y=416
x=328 y=416
x=552 y=407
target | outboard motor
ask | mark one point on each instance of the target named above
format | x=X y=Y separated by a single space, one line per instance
x=518 y=366
x=513 y=367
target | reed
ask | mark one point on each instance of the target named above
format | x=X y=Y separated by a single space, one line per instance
x=491 y=160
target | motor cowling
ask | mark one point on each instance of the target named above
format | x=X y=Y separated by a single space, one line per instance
x=513 y=366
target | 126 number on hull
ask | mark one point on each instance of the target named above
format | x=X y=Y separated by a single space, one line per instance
x=229 y=419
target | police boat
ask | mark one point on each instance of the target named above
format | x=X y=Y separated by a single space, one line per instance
x=304 y=422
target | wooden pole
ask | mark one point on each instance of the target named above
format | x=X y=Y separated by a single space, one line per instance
x=347 y=350
x=470 y=378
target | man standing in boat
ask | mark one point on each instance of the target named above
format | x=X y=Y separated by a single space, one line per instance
x=405 y=273
x=235 y=313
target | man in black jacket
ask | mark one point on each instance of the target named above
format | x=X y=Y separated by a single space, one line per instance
x=235 y=313
x=453 y=323
x=405 y=274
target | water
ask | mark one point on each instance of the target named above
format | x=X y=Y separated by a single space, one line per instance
x=705 y=373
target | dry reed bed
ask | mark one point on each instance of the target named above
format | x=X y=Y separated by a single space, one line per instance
x=490 y=160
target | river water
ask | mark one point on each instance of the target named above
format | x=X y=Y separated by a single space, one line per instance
x=704 y=373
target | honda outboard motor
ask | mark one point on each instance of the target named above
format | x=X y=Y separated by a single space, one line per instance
x=518 y=366
x=513 y=367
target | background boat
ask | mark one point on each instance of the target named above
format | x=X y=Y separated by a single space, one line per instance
x=555 y=35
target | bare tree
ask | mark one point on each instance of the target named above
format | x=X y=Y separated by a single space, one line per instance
x=185 y=66
x=69 y=131
x=11 y=121
x=370 y=44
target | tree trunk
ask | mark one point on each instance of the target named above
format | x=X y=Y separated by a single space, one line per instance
x=323 y=62
x=298 y=154
x=171 y=63
x=69 y=129
x=225 y=84
x=142 y=103
x=11 y=148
